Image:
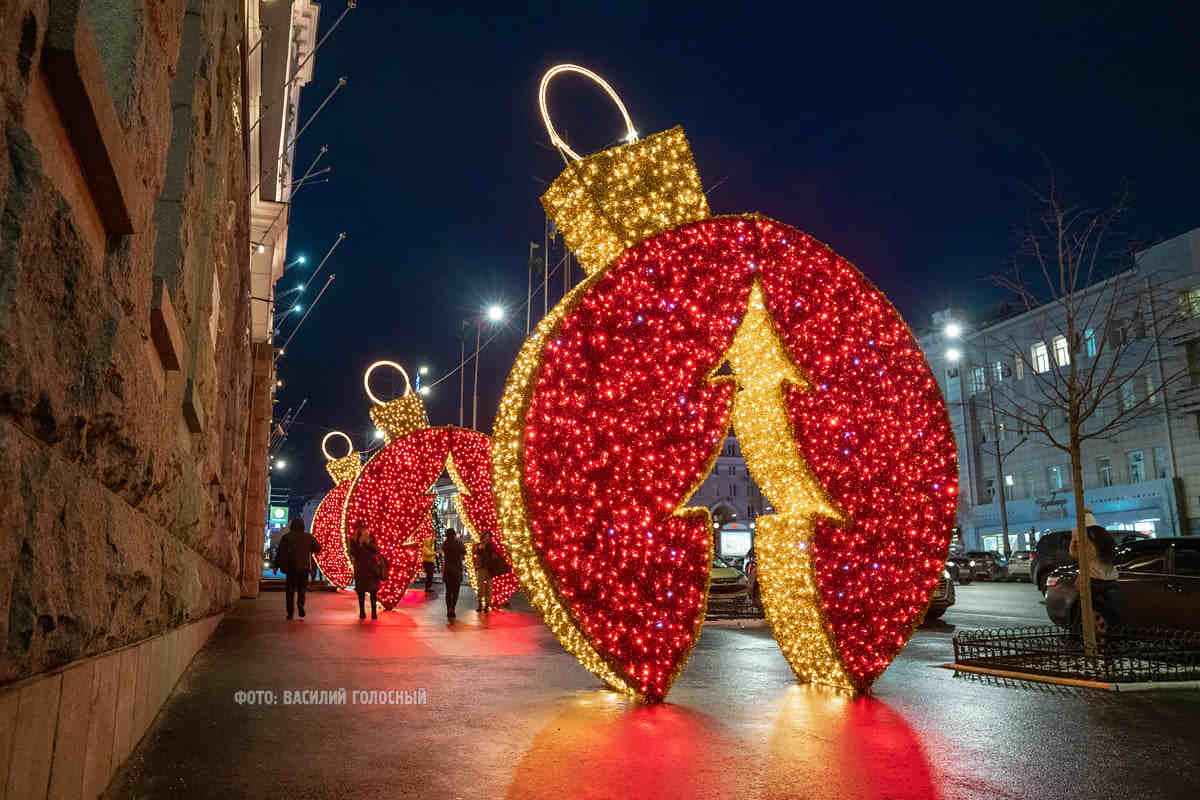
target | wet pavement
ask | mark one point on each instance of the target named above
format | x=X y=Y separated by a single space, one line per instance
x=510 y=715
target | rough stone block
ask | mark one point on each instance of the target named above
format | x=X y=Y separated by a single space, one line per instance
x=99 y=762
x=37 y=715
x=75 y=710
x=164 y=328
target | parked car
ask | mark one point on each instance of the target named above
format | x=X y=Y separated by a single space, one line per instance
x=728 y=587
x=943 y=597
x=1018 y=565
x=960 y=568
x=1158 y=585
x=989 y=565
x=1052 y=552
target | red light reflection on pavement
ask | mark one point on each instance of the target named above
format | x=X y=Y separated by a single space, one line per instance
x=829 y=745
x=603 y=747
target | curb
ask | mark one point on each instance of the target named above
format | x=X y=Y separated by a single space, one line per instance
x=1143 y=686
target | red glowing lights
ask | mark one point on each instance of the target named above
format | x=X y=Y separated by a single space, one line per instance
x=624 y=422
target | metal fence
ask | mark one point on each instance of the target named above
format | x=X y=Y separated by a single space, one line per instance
x=1123 y=655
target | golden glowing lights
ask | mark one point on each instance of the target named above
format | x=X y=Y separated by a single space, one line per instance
x=610 y=201
x=783 y=542
x=399 y=417
x=613 y=414
x=330 y=435
x=555 y=139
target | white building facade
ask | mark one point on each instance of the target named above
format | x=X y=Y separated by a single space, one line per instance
x=1144 y=477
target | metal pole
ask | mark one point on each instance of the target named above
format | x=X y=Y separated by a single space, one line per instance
x=1162 y=380
x=999 y=467
x=475 y=400
x=462 y=368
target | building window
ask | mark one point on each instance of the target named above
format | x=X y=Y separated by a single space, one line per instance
x=1089 y=343
x=1160 y=462
x=1009 y=487
x=989 y=488
x=1000 y=433
x=998 y=372
x=1041 y=358
x=1062 y=351
x=1055 y=475
x=1104 y=471
x=978 y=381
x=1189 y=303
x=732 y=491
x=1152 y=394
x=1019 y=368
x=1137 y=466
x=1128 y=395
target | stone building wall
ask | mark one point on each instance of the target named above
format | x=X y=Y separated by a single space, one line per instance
x=125 y=356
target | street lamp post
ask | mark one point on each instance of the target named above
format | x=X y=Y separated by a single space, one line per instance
x=493 y=313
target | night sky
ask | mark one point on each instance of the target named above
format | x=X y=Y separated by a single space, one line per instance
x=902 y=135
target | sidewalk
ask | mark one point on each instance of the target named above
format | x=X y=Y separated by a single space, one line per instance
x=510 y=715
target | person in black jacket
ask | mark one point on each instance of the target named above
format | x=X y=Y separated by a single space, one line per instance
x=294 y=559
x=367 y=572
x=453 y=553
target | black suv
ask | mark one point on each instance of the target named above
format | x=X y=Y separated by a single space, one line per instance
x=1053 y=551
x=1158 y=585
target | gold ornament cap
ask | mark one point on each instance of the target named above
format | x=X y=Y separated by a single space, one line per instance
x=345 y=468
x=399 y=417
x=605 y=203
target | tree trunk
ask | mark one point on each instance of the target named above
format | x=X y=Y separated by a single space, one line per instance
x=1084 y=581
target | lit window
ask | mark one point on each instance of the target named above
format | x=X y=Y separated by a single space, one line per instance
x=1089 y=343
x=1128 y=395
x=1152 y=394
x=1189 y=303
x=998 y=371
x=977 y=380
x=1041 y=358
x=1062 y=351
x=1137 y=466
x=1055 y=474
x=1104 y=471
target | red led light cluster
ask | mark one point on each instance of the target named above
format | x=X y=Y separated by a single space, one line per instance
x=472 y=455
x=327 y=528
x=624 y=424
x=393 y=496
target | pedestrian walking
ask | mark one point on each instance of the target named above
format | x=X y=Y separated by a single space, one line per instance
x=483 y=576
x=429 y=554
x=1103 y=574
x=294 y=558
x=370 y=567
x=453 y=553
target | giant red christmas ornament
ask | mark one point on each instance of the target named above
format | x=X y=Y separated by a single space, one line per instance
x=470 y=467
x=327 y=521
x=393 y=494
x=618 y=404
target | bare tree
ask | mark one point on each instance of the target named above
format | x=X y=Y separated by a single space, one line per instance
x=1088 y=340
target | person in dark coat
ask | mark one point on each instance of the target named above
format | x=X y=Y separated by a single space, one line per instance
x=453 y=553
x=367 y=572
x=294 y=559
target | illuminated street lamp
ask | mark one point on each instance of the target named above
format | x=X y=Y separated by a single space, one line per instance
x=494 y=313
x=953 y=330
x=953 y=355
